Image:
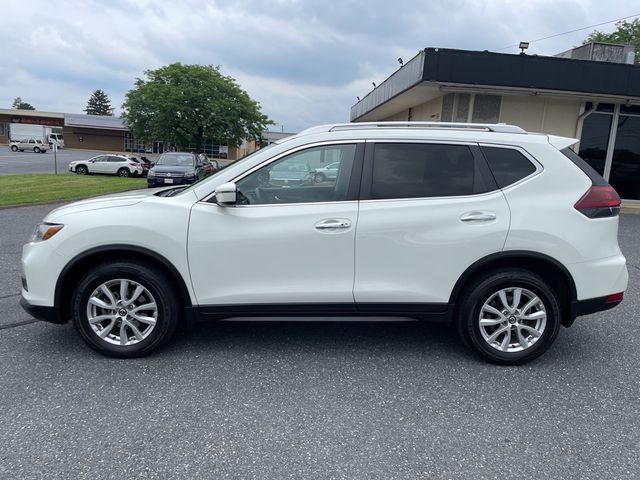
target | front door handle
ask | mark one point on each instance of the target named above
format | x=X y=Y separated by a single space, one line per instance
x=333 y=224
x=480 y=216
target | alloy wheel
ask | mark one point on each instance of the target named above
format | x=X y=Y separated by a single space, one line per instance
x=122 y=312
x=512 y=319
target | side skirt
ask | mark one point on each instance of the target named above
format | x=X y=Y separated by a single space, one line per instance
x=436 y=312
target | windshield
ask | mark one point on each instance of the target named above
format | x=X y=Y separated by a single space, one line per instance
x=176 y=160
x=237 y=162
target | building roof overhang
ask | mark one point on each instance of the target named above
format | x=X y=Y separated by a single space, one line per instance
x=434 y=72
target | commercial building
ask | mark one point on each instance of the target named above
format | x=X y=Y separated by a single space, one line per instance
x=591 y=93
x=104 y=133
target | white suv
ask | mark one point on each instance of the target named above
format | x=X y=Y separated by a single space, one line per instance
x=507 y=235
x=107 y=164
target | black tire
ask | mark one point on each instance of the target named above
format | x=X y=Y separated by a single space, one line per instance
x=481 y=290
x=14 y=148
x=21 y=150
x=81 y=170
x=124 y=172
x=36 y=149
x=155 y=281
x=319 y=178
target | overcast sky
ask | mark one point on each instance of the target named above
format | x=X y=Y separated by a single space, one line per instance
x=305 y=61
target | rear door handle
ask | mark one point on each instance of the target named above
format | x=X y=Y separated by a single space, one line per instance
x=333 y=224
x=478 y=216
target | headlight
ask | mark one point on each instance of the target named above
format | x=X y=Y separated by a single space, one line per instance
x=151 y=173
x=44 y=231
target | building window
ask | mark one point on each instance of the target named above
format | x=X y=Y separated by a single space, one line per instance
x=213 y=149
x=625 y=165
x=595 y=140
x=460 y=107
x=486 y=109
x=133 y=145
x=2 y=130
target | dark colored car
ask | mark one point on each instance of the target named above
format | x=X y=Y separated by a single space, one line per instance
x=176 y=168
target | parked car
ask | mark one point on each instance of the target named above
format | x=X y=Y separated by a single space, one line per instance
x=144 y=163
x=120 y=165
x=291 y=173
x=506 y=234
x=176 y=168
x=36 y=146
x=322 y=174
x=210 y=166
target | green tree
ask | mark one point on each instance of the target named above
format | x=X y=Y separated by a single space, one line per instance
x=20 y=105
x=627 y=33
x=99 y=104
x=185 y=104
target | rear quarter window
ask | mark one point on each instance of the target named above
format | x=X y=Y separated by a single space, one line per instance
x=507 y=165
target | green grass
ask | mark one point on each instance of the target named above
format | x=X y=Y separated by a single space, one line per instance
x=31 y=189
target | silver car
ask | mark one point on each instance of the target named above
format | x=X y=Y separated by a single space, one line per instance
x=35 y=145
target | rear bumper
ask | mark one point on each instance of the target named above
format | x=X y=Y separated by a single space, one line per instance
x=46 y=314
x=589 y=306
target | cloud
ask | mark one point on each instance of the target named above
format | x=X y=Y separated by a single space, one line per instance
x=304 y=61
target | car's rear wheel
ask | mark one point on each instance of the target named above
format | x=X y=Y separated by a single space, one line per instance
x=124 y=172
x=509 y=317
x=14 y=148
x=125 y=309
x=81 y=170
x=36 y=149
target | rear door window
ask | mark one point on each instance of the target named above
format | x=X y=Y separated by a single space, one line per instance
x=419 y=170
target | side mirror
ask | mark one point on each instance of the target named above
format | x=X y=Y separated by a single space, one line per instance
x=226 y=194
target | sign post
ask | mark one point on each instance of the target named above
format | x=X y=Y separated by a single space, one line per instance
x=55 y=157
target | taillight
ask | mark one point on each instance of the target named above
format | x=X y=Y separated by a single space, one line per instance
x=600 y=201
x=614 y=298
x=133 y=164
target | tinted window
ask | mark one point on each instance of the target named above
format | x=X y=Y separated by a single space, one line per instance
x=425 y=170
x=115 y=159
x=508 y=165
x=296 y=178
x=176 y=159
x=595 y=140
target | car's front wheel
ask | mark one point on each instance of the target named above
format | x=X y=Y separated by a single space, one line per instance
x=14 y=148
x=81 y=170
x=509 y=317
x=125 y=309
x=36 y=149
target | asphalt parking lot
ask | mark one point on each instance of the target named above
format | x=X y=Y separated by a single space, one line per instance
x=29 y=162
x=316 y=400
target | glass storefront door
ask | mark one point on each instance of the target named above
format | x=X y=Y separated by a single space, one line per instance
x=619 y=165
x=625 y=166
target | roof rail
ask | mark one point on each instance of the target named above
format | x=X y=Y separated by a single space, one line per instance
x=488 y=127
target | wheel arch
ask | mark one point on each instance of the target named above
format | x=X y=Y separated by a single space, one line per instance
x=83 y=262
x=550 y=269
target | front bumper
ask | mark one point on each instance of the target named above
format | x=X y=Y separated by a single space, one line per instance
x=46 y=314
x=161 y=181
